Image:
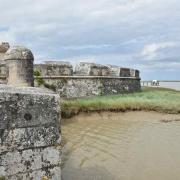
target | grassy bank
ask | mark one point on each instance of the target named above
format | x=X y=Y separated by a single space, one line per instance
x=150 y=99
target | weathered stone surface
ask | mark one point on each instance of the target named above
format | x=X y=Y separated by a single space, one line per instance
x=29 y=160
x=36 y=136
x=134 y=73
x=114 y=70
x=61 y=63
x=29 y=133
x=54 y=68
x=125 y=72
x=82 y=86
x=54 y=173
x=19 y=61
x=27 y=107
x=91 y=69
x=4 y=46
x=3 y=72
x=3 y=69
x=18 y=53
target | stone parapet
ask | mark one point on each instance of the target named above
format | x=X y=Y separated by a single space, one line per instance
x=29 y=134
x=54 y=68
x=91 y=69
x=123 y=72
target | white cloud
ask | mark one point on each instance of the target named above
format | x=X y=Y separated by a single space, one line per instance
x=150 y=51
x=122 y=32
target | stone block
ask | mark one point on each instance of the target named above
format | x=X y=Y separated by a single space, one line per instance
x=29 y=133
x=54 y=68
x=21 y=107
x=17 y=162
x=24 y=138
x=54 y=173
x=134 y=73
x=125 y=72
x=91 y=69
x=114 y=70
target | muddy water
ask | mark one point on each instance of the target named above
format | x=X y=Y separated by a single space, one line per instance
x=121 y=146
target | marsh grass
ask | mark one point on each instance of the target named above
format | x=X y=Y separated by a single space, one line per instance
x=149 y=99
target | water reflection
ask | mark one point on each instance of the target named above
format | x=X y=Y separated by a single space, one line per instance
x=127 y=146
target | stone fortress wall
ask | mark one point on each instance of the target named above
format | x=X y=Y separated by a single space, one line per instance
x=85 y=79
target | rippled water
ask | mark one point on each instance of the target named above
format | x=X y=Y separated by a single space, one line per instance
x=121 y=146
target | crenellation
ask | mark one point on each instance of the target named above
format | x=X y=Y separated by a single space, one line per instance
x=91 y=69
x=125 y=72
x=134 y=73
x=54 y=68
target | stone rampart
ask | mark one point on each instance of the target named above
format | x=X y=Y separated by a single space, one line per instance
x=90 y=79
x=87 y=79
x=29 y=134
x=82 y=86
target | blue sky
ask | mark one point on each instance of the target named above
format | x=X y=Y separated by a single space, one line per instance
x=142 y=34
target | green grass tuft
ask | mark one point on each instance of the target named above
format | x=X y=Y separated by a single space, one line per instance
x=149 y=99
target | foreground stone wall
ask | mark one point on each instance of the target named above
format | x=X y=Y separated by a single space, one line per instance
x=78 y=86
x=29 y=134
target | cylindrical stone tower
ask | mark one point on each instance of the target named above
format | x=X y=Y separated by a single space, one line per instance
x=19 y=62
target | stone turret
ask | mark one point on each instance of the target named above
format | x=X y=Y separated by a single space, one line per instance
x=19 y=61
x=91 y=69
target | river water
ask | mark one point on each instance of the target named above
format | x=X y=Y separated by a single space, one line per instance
x=121 y=146
x=172 y=85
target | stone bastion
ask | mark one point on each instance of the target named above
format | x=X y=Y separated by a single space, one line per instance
x=85 y=79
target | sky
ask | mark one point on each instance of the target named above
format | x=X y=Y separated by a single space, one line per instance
x=141 y=34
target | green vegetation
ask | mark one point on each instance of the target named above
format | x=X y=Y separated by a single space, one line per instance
x=41 y=82
x=149 y=99
x=2 y=178
x=38 y=79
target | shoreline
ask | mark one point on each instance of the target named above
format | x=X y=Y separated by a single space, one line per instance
x=160 y=100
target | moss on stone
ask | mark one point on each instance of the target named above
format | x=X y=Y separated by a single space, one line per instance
x=44 y=178
x=2 y=178
x=41 y=82
x=50 y=86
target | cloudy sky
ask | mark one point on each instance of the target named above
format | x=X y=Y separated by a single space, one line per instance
x=142 y=34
